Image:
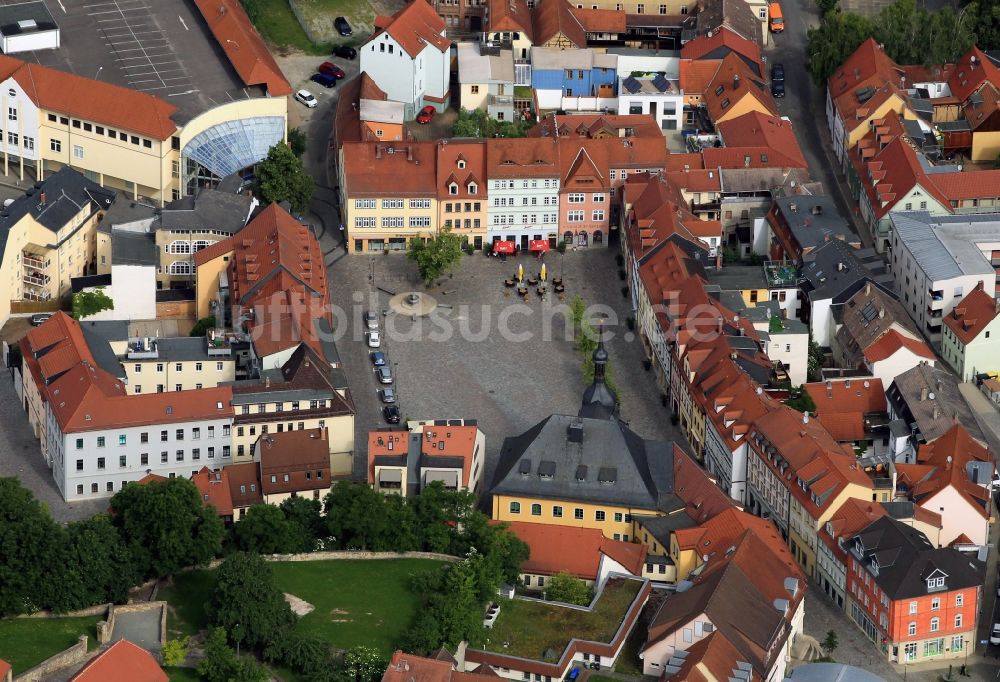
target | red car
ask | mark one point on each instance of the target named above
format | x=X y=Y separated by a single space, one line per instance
x=426 y=114
x=331 y=69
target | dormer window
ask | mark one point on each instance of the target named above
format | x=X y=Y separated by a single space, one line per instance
x=461 y=163
x=473 y=187
x=453 y=188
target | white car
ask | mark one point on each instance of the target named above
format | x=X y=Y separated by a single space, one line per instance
x=374 y=339
x=306 y=98
x=995 y=634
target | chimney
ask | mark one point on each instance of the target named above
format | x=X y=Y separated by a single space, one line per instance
x=267 y=382
x=923 y=393
x=41 y=199
x=805 y=417
x=937 y=411
x=868 y=288
x=817 y=209
x=736 y=80
x=881 y=313
x=574 y=432
x=322 y=432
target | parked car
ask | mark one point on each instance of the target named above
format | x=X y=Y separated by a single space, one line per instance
x=40 y=318
x=387 y=395
x=777 y=88
x=378 y=359
x=995 y=634
x=374 y=339
x=343 y=28
x=778 y=72
x=391 y=414
x=306 y=98
x=331 y=69
x=426 y=114
x=384 y=375
x=371 y=319
x=324 y=79
x=345 y=52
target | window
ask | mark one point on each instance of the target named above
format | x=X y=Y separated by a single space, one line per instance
x=598 y=197
x=122 y=439
x=55 y=145
x=958 y=620
x=515 y=507
x=578 y=514
x=93 y=487
x=196 y=453
x=597 y=216
x=935 y=624
x=536 y=509
x=957 y=643
x=959 y=599
x=100 y=462
x=163 y=457
x=913 y=607
x=12 y=113
x=12 y=139
x=179 y=456
x=79 y=465
x=29 y=143
x=599 y=515
x=575 y=216
x=77 y=151
x=79 y=444
x=663 y=9
x=122 y=460
x=935 y=604
x=475 y=89
x=557 y=511
x=576 y=198
x=100 y=441
x=912 y=630
x=144 y=459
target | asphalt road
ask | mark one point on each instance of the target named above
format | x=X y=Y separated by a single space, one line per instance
x=805 y=105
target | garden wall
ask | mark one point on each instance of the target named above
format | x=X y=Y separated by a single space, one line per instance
x=67 y=657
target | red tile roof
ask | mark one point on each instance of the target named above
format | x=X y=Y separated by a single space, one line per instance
x=696 y=180
x=841 y=405
x=732 y=83
x=93 y=100
x=868 y=67
x=973 y=313
x=123 y=661
x=409 y=668
x=449 y=441
x=61 y=340
x=697 y=74
x=967 y=184
x=473 y=156
x=5 y=668
x=213 y=486
x=597 y=125
x=600 y=20
x=972 y=70
x=892 y=341
x=852 y=516
x=505 y=16
x=703 y=499
x=551 y=19
x=244 y=484
x=303 y=456
x=758 y=130
x=577 y=551
x=406 y=169
x=522 y=158
x=942 y=463
x=711 y=659
x=244 y=47
x=414 y=27
x=724 y=38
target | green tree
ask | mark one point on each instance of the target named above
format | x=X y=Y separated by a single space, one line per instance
x=458 y=606
x=801 y=400
x=220 y=663
x=364 y=664
x=826 y=6
x=437 y=255
x=478 y=123
x=297 y=141
x=307 y=654
x=31 y=555
x=565 y=588
x=830 y=643
x=985 y=16
x=247 y=603
x=165 y=526
x=98 y=563
x=281 y=177
x=254 y=9
x=202 y=326
x=829 y=45
x=264 y=529
x=307 y=516
x=816 y=359
x=91 y=302
x=175 y=652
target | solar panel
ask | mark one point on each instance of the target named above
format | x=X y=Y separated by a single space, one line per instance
x=869 y=312
x=632 y=85
x=661 y=83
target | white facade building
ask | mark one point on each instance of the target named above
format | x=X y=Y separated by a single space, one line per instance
x=409 y=58
x=523 y=209
x=655 y=96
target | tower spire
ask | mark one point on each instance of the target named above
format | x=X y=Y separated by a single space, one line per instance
x=599 y=401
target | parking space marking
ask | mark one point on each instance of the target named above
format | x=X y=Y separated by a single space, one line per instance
x=139 y=45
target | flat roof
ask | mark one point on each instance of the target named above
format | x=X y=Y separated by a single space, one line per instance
x=474 y=67
x=555 y=58
x=161 y=48
x=947 y=246
x=11 y=17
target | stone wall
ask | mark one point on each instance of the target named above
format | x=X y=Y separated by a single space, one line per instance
x=71 y=656
x=348 y=554
x=106 y=627
x=98 y=610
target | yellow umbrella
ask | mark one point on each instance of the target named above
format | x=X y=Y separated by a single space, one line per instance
x=520 y=272
x=542 y=273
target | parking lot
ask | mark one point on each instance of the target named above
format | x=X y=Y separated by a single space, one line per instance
x=485 y=355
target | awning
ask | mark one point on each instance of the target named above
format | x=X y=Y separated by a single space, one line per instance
x=449 y=478
x=538 y=245
x=503 y=247
x=390 y=476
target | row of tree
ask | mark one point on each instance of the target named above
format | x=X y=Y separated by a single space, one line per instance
x=910 y=34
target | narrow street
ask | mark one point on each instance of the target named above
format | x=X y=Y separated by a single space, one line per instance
x=804 y=104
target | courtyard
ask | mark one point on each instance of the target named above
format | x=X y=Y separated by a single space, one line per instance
x=485 y=354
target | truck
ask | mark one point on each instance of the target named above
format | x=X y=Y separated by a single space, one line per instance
x=776 y=21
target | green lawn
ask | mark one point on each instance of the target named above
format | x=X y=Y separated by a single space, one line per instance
x=182 y=674
x=529 y=629
x=187 y=599
x=25 y=642
x=357 y=602
x=279 y=26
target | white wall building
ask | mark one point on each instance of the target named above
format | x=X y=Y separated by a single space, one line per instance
x=523 y=190
x=655 y=96
x=486 y=81
x=409 y=58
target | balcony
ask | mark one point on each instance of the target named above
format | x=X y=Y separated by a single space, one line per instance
x=936 y=295
x=34 y=261
x=37 y=295
x=220 y=343
x=934 y=313
x=36 y=280
x=142 y=348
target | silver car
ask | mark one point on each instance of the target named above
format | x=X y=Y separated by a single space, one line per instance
x=371 y=319
x=384 y=375
x=374 y=339
x=387 y=395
